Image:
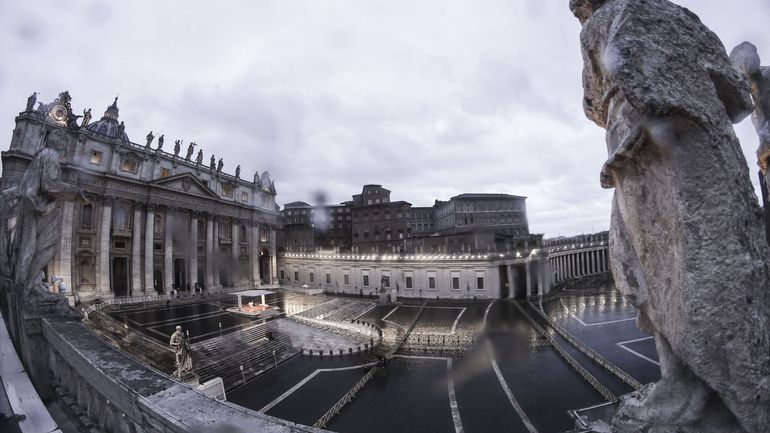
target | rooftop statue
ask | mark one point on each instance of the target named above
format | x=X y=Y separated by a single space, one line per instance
x=199 y=158
x=256 y=178
x=150 y=137
x=161 y=139
x=238 y=172
x=121 y=130
x=686 y=232
x=177 y=147
x=86 y=118
x=190 y=150
x=746 y=59
x=213 y=163
x=220 y=164
x=31 y=101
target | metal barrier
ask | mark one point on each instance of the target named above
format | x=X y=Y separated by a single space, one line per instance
x=599 y=359
x=606 y=393
x=348 y=397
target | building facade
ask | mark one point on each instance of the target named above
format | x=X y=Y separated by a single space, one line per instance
x=146 y=220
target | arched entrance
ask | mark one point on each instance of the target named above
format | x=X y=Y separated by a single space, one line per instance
x=264 y=265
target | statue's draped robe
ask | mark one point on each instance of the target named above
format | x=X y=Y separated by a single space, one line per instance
x=686 y=238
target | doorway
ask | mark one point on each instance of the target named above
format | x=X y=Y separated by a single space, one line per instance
x=120 y=276
x=180 y=275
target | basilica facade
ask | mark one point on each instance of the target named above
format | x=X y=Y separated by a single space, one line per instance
x=144 y=220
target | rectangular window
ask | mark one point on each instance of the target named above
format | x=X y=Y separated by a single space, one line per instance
x=346 y=280
x=129 y=165
x=227 y=191
x=312 y=277
x=164 y=172
x=409 y=282
x=386 y=281
x=431 y=283
x=244 y=197
x=96 y=157
x=296 y=275
x=365 y=279
x=455 y=283
x=328 y=278
x=282 y=274
x=479 y=283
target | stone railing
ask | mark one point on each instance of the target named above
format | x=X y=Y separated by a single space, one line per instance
x=119 y=394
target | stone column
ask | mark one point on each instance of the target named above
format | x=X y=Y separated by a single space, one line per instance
x=273 y=258
x=542 y=266
x=168 y=257
x=217 y=253
x=193 y=249
x=136 y=252
x=254 y=255
x=509 y=273
x=104 y=249
x=209 y=252
x=527 y=266
x=65 y=246
x=236 y=252
x=149 y=234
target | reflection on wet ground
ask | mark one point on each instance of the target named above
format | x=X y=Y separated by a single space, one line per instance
x=508 y=378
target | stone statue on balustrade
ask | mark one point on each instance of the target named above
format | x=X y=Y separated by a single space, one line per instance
x=161 y=139
x=121 y=130
x=199 y=158
x=190 y=150
x=213 y=163
x=31 y=101
x=256 y=179
x=181 y=348
x=220 y=164
x=746 y=59
x=86 y=118
x=238 y=172
x=177 y=147
x=686 y=239
x=150 y=137
x=30 y=221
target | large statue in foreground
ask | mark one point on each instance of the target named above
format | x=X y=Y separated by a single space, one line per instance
x=686 y=239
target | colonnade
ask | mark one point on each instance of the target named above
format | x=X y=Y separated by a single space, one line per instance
x=192 y=236
x=565 y=265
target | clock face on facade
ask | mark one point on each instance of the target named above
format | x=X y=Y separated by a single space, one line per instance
x=59 y=114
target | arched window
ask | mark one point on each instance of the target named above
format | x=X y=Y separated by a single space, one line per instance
x=120 y=219
x=86 y=271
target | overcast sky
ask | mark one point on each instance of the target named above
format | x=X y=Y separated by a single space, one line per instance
x=429 y=98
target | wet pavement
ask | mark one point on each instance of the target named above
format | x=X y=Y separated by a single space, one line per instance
x=509 y=377
x=414 y=393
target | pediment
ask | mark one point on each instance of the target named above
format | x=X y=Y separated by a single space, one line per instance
x=186 y=183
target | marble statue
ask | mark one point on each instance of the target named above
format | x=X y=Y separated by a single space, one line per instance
x=190 y=150
x=177 y=147
x=256 y=178
x=686 y=232
x=86 y=118
x=150 y=137
x=121 y=130
x=213 y=163
x=220 y=164
x=199 y=158
x=161 y=140
x=746 y=59
x=30 y=235
x=238 y=172
x=265 y=179
x=181 y=347
x=31 y=101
